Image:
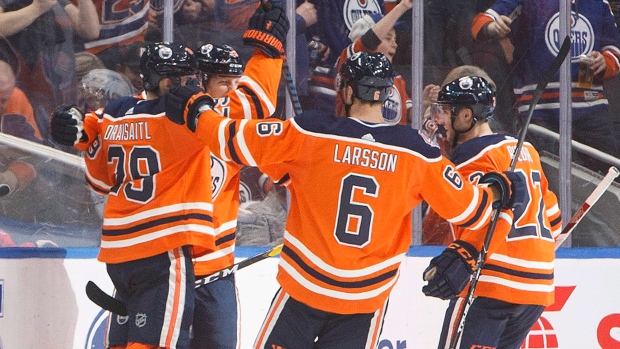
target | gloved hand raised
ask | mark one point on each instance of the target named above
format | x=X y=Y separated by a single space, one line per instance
x=67 y=126
x=449 y=273
x=511 y=186
x=185 y=103
x=267 y=29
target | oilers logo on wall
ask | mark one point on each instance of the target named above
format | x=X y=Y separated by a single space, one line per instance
x=581 y=34
x=218 y=175
x=96 y=332
x=391 y=107
x=356 y=9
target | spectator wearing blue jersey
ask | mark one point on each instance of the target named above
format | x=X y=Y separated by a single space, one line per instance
x=534 y=35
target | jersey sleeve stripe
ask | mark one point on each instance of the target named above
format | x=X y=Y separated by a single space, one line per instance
x=255 y=101
x=243 y=147
x=259 y=92
x=232 y=133
x=480 y=208
x=245 y=104
x=221 y=132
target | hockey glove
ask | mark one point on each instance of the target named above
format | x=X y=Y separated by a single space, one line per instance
x=511 y=185
x=449 y=273
x=67 y=126
x=267 y=30
x=186 y=103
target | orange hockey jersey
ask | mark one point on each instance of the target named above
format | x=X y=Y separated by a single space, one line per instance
x=255 y=98
x=520 y=263
x=152 y=171
x=159 y=192
x=353 y=185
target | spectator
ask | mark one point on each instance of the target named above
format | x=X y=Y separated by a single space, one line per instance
x=122 y=23
x=129 y=64
x=85 y=62
x=41 y=32
x=448 y=44
x=516 y=282
x=335 y=20
x=305 y=17
x=376 y=33
x=14 y=105
x=533 y=54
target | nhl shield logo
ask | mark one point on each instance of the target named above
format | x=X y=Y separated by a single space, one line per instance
x=140 y=320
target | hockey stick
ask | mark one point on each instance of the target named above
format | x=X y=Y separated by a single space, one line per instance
x=542 y=84
x=290 y=86
x=585 y=207
x=117 y=306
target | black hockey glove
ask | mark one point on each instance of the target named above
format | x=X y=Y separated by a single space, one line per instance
x=511 y=185
x=449 y=273
x=66 y=125
x=267 y=30
x=186 y=103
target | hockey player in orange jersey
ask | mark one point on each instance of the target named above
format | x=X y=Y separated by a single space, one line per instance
x=517 y=278
x=216 y=313
x=353 y=184
x=159 y=211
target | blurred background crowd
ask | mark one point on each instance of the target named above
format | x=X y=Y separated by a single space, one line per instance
x=87 y=52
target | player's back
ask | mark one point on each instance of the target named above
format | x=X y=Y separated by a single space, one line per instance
x=519 y=268
x=157 y=178
x=353 y=185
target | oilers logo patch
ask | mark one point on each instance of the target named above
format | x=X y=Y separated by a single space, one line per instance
x=218 y=175
x=392 y=107
x=581 y=33
x=355 y=9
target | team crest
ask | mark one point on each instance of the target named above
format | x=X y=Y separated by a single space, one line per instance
x=356 y=9
x=218 y=175
x=582 y=35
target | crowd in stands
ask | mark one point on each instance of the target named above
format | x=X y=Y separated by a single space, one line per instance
x=60 y=52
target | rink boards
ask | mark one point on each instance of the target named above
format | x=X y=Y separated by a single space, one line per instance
x=43 y=304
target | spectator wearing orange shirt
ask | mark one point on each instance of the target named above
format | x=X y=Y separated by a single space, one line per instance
x=14 y=105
